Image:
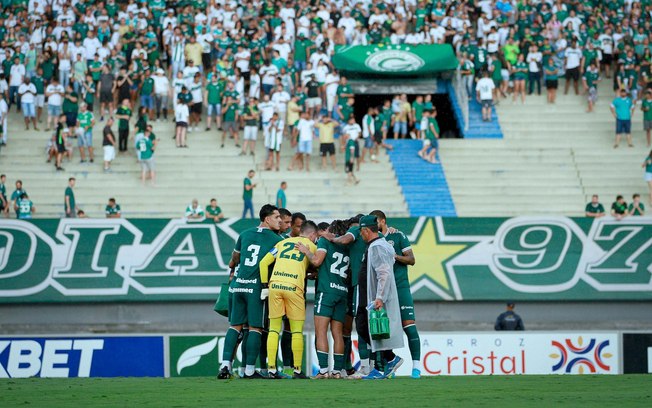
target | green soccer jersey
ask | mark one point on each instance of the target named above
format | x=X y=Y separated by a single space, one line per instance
x=334 y=271
x=346 y=111
x=647 y=109
x=24 y=208
x=213 y=211
x=636 y=211
x=591 y=78
x=144 y=148
x=343 y=90
x=597 y=209
x=518 y=70
x=112 y=210
x=418 y=110
x=350 y=150
x=356 y=251
x=253 y=244
x=251 y=110
x=430 y=135
x=124 y=123
x=69 y=106
x=95 y=72
x=71 y=198
x=148 y=86
x=401 y=245
x=214 y=93
x=38 y=84
x=231 y=112
x=85 y=119
x=247 y=194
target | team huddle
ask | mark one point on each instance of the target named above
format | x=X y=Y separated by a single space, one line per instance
x=352 y=262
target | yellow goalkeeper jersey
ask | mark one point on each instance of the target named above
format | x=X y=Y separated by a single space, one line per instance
x=291 y=265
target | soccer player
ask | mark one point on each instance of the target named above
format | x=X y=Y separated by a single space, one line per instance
x=287 y=294
x=404 y=257
x=331 y=298
x=247 y=303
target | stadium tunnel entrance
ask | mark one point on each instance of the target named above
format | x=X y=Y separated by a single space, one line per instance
x=375 y=93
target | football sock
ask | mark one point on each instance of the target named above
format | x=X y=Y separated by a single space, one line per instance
x=272 y=342
x=249 y=369
x=380 y=361
x=297 y=343
x=347 y=352
x=286 y=348
x=416 y=364
x=414 y=342
x=338 y=363
x=263 y=350
x=363 y=348
x=253 y=348
x=322 y=357
x=364 y=363
x=243 y=345
x=230 y=343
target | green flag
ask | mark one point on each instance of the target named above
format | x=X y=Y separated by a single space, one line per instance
x=395 y=60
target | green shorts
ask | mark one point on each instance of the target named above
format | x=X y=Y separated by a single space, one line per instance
x=246 y=307
x=352 y=301
x=406 y=302
x=331 y=305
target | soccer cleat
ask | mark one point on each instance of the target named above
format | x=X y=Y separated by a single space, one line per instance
x=416 y=373
x=255 y=376
x=336 y=375
x=288 y=371
x=392 y=366
x=279 y=375
x=350 y=371
x=321 y=376
x=224 y=374
x=374 y=375
x=300 y=376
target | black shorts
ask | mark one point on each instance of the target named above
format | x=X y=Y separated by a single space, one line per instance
x=106 y=96
x=606 y=59
x=182 y=124
x=197 y=108
x=573 y=73
x=327 y=148
x=378 y=137
x=61 y=148
x=551 y=83
x=71 y=119
x=348 y=167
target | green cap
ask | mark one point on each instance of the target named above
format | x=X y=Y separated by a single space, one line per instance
x=368 y=221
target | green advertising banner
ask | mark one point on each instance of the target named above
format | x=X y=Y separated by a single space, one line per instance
x=395 y=60
x=523 y=258
x=201 y=355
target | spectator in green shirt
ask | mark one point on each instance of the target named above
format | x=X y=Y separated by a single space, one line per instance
x=622 y=108
x=619 y=208
x=69 y=199
x=123 y=115
x=636 y=208
x=214 y=212
x=281 y=200
x=646 y=107
x=248 y=194
x=85 y=122
x=113 y=209
x=594 y=209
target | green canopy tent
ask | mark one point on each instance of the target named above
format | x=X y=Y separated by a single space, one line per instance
x=382 y=60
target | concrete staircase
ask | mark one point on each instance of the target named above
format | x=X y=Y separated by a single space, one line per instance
x=551 y=160
x=202 y=171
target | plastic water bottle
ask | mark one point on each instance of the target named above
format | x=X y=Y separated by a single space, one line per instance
x=379 y=324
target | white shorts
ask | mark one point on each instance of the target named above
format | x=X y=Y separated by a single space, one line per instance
x=109 y=153
x=250 y=133
x=313 y=102
x=648 y=177
x=330 y=101
x=40 y=101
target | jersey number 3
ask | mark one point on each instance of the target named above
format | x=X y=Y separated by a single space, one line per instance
x=252 y=259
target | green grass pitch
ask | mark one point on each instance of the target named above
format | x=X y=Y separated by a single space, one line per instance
x=544 y=391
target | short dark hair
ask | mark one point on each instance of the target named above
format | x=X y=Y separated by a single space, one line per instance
x=635 y=196
x=323 y=226
x=339 y=227
x=299 y=216
x=379 y=214
x=213 y=199
x=372 y=228
x=355 y=219
x=285 y=212
x=71 y=179
x=308 y=226
x=112 y=200
x=266 y=211
x=619 y=197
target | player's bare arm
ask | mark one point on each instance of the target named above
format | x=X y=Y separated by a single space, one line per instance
x=407 y=258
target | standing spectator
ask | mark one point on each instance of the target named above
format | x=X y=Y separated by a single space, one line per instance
x=194 y=212
x=349 y=158
x=145 y=149
x=430 y=142
x=353 y=131
x=147 y=93
x=39 y=84
x=123 y=115
x=281 y=200
x=402 y=117
x=647 y=165
x=112 y=209
x=590 y=81
x=108 y=145
x=69 y=199
x=520 y=73
x=107 y=80
x=572 y=61
x=305 y=130
x=369 y=127
x=248 y=194
x=4 y=113
x=509 y=320
x=313 y=103
x=273 y=141
x=54 y=92
x=70 y=108
x=197 y=103
x=4 y=205
x=214 y=211
x=181 y=115
x=636 y=208
x=61 y=134
x=231 y=115
x=251 y=116
x=161 y=94
x=85 y=121
x=619 y=208
x=484 y=89
x=594 y=209
x=16 y=195
x=326 y=127
x=646 y=107
x=27 y=94
x=622 y=109
x=534 y=59
x=213 y=97
x=16 y=78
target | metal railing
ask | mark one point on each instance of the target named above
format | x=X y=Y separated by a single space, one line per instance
x=462 y=97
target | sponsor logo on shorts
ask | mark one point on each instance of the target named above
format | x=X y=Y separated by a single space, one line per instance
x=407 y=307
x=339 y=287
x=284 y=287
x=246 y=281
x=241 y=290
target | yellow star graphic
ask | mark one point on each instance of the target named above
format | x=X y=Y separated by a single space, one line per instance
x=431 y=256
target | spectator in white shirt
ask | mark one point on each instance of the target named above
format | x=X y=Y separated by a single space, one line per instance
x=16 y=78
x=305 y=130
x=54 y=92
x=572 y=60
x=161 y=94
x=27 y=93
x=534 y=59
